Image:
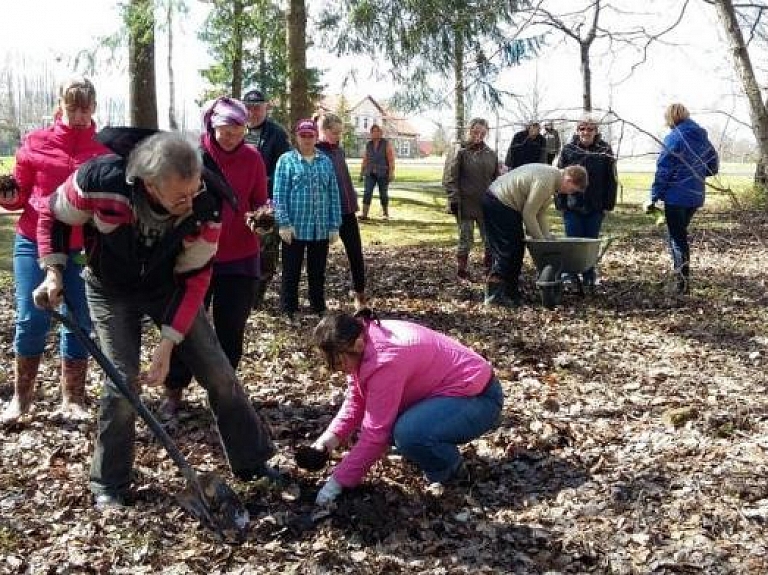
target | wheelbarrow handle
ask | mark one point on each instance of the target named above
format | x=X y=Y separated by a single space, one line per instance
x=607 y=241
x=130 y=394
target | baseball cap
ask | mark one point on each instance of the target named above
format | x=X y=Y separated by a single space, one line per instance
x=304 y=127
x=254 y=97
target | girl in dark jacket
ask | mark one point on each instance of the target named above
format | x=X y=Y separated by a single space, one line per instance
x=583 y=215
x=686 y=159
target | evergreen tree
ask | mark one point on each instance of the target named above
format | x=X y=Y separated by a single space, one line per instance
x=428 y=40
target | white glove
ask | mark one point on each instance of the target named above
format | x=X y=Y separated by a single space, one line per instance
x=333 y=237
x=326 y=442
x=287 y=234
x=330 y=491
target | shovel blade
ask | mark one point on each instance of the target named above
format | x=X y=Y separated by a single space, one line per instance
x=216 y=506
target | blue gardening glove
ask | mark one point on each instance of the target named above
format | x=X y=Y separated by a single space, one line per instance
x=330 y=491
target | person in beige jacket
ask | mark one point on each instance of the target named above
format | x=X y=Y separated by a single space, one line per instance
x=521 y=197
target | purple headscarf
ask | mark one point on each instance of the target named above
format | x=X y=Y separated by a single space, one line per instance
x=224 y=111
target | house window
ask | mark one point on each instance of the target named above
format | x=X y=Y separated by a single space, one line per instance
x=404 y=149
x=357 y=121
x=365 y=123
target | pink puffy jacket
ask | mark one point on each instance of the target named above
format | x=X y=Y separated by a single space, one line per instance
x=44 y=160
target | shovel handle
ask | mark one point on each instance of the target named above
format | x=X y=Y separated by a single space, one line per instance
x=130 y=394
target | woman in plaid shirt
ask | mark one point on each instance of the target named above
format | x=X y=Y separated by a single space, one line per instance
x=308 y=215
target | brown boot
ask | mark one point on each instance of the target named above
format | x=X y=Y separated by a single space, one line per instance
x=364 y=215
x=24 y=388
x=74 y=373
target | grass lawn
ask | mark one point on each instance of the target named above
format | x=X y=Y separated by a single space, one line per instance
x=417 y=207
x=418 y=216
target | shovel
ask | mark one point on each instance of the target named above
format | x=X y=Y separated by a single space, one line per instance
x=206 y=497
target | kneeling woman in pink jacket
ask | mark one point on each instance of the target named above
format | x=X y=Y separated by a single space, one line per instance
x=408 y=386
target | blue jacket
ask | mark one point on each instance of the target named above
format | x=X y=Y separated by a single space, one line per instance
x=686 y=158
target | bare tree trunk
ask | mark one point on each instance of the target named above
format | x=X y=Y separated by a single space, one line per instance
x=297 y=61
x=458 y=87
x=743 y=63
x=237 y=48
x=142 y=93
x=172 y=123
x=586 y=77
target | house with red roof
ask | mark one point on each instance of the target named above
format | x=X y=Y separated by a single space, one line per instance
x=361 y=115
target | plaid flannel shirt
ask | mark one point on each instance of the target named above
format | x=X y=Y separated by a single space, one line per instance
x=306 y=196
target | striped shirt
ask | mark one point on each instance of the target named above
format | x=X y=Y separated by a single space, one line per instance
x=306 y=196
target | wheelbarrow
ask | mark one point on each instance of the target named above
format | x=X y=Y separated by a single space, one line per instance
x=206 y=497
x=559 y=256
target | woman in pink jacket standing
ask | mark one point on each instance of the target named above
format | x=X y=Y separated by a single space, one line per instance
x=45 y=159
x=236 y=268
x=408 y=386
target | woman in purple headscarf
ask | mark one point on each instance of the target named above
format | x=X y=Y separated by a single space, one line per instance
x=236 y=268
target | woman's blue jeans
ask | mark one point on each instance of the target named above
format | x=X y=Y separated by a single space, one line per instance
x=371 y=181
x=33 y=323
x=429 y=432
x=583 y=226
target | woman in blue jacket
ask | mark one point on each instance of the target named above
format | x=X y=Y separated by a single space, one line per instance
x=686 y=159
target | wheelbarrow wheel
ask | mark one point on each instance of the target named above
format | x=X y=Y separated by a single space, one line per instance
x=551 y=286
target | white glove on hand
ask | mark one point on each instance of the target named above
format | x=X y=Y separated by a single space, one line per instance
x=326 y=442
x=287 y=234
x=330 y=491
x=333 y=237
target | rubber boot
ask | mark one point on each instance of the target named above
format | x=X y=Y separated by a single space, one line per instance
x=24 y=388
x=364 y=215
x=496 y=295
x=462 y=261
x=74 y=373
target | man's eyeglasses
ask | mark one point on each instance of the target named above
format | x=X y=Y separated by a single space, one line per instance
x=587 y=129
x=188 y=198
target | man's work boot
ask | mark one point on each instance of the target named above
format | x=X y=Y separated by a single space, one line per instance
x=74 y=373
x=496 y=295
x=24 y=388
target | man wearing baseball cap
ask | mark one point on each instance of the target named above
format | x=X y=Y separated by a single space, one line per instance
x=270 y=139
